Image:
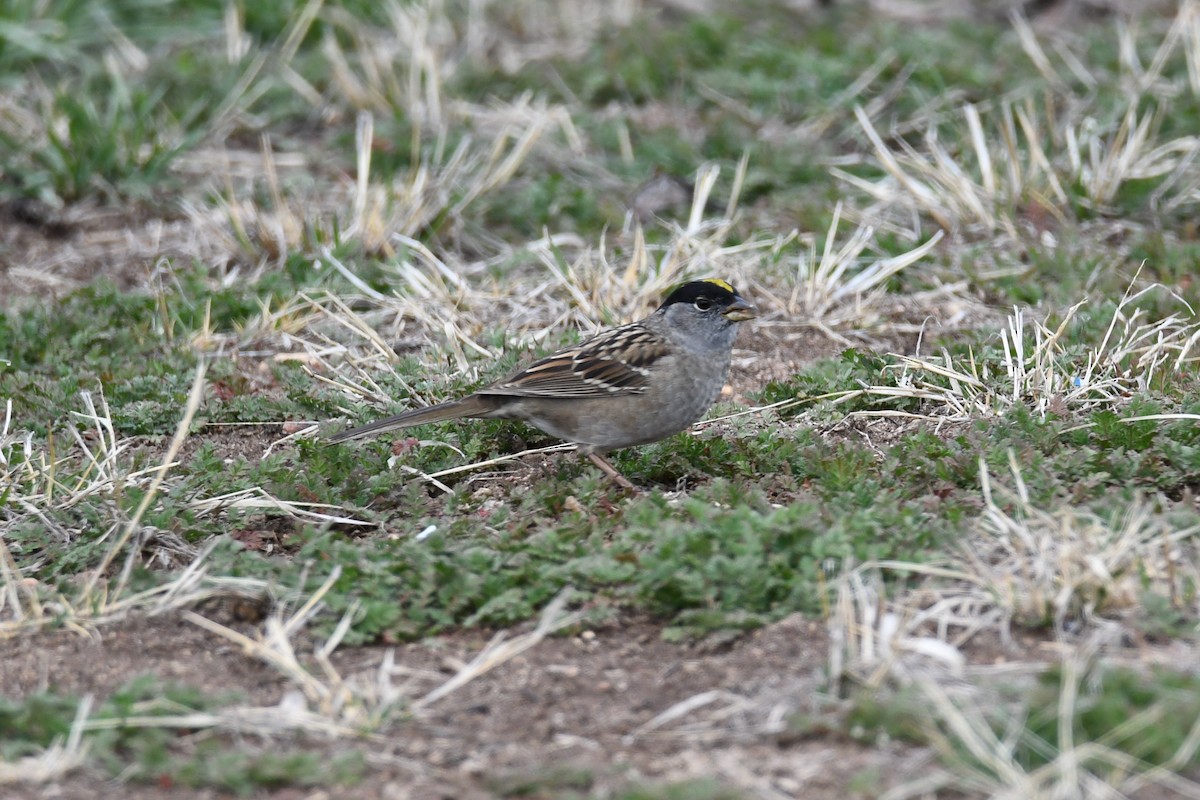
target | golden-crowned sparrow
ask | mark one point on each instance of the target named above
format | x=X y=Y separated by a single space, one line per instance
x=630 y=385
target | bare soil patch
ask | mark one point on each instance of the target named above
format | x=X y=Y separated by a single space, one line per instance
x=768 y=352
x=166 y=647
x=46 y=253
x=588 y=705
x=584 y=702
x=231 y=442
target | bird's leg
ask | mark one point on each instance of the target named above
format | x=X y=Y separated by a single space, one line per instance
x=611 y=471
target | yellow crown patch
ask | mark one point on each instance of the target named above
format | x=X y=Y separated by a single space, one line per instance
x=723 y=284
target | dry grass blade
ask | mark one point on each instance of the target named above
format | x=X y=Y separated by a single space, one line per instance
x=439 y=187
x=1069 y=563
x=258 y=498
x=19 y=600
x=400 y=68
x=241 y=229
x=595 y=290
x=433 y=193
x=1038 y=371
x=951 y=177
x=329 y=695
x=980 y=747
x=53 y=763
x=344 y=706
x=96 y=469
x=682 y=709
x=874 y=640
x=181 y=433
x=1023 y=563
x=957 y=726
x=1033 y=49
x=501 y=649
x=491 y=462
x=286 y=717
x=32 y=605
x=838 y=290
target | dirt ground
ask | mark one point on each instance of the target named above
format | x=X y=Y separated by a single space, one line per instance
x=582 y=709
x=580 y=702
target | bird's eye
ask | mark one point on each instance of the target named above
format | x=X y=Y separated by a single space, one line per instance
x=703 y=303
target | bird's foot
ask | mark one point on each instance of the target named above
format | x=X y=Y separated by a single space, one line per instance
x=611 y=471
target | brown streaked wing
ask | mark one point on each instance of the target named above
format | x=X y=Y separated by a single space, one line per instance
x=592 y=369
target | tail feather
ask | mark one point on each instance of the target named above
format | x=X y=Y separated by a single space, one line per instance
x=472 y=406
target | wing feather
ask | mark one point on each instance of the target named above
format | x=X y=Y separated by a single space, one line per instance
x=613 y=363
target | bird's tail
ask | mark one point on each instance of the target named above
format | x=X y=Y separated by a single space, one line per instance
x=472 y=406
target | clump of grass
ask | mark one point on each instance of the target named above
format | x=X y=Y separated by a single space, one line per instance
x=44 y=740
x=835 y=291
x=1083 y=730
x=1003 y=165
x=1003 y=730
x=133 y=734
x=1040 y=368
x=1075 y=568
x=107 y=139
x=1073 y=564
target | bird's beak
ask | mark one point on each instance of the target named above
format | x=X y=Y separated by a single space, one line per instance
x=740 y=311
